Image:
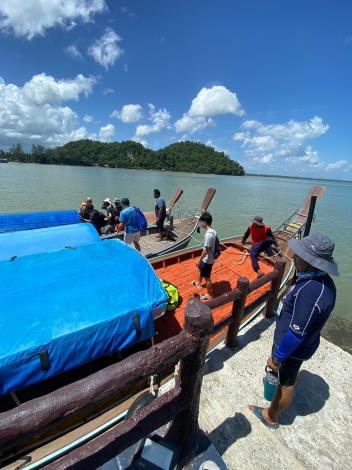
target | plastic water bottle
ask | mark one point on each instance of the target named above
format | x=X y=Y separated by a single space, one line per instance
x=270 y=382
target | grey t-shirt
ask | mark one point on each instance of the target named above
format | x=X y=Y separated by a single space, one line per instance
x=209 y=242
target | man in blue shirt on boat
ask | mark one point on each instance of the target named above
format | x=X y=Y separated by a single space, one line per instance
x=160 y=213
x=129 y=223
x=301 y=317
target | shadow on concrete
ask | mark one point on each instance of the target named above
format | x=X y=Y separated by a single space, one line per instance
x=215 y=359
x=310 y=396
x=233 y=428
x=255 y=332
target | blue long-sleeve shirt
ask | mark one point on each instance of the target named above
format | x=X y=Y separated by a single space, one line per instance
x=305 y=311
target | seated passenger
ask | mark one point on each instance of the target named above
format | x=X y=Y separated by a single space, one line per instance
x=110 y=211
x=83 y=206
x=262 y=240
x=94 y=217
x=129 y=223
x=118 y=208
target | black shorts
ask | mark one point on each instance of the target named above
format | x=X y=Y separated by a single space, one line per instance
x=288 y=371
x=205 y=269
x=160 y=224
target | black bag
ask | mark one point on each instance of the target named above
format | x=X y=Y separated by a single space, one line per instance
x=217 y=248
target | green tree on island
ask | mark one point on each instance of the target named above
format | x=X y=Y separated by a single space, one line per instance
x=186 y=156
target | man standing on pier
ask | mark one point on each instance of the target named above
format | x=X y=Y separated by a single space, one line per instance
x=301 y=317
x=262 y=240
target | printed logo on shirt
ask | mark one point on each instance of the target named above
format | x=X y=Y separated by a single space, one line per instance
x=296 y=327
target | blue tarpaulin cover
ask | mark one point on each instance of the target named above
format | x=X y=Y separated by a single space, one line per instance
x=33 y=220
x=76 y=305
x=30 y=242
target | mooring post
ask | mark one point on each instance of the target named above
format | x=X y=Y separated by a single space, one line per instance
x=237 y=313
x=311 y=210
x=184 y=430
x=275 y=288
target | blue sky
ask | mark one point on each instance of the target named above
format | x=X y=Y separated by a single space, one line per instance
x=268 y=82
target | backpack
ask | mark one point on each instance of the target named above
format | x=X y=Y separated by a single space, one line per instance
x=141 y=220
x=217 y=248
x=173 y=295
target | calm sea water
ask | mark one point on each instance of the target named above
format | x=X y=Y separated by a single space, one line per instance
x=27 y=187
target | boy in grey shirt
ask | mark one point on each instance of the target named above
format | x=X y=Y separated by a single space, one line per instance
x=206 y=261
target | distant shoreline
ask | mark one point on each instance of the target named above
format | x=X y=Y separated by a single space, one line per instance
x=298 y=177
x=188 y=172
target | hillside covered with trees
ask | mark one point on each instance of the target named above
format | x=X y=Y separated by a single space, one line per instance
x=182 y=156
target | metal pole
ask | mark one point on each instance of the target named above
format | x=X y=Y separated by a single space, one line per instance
x=313 y=201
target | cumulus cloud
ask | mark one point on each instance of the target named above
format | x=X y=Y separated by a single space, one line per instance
x=192 y=124
x=342 y=165
x=43 y=88
x=208 y=103
x=106 y=132
x=87 y=118
x=105 y=50
x=266 y=143
x=159 y=120
x=73 y=52
x=129 y=113
x=30 y=18
x=215 y=101
x=34 y=113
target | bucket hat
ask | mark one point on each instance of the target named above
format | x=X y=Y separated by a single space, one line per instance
x=317 y=250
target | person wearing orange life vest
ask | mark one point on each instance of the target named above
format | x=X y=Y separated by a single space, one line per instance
x=262 y=240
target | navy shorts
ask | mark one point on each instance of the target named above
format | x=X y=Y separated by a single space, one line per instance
x=205 y=269
x=288 y=371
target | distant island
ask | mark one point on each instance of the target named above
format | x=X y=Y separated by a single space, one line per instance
x=192 y=157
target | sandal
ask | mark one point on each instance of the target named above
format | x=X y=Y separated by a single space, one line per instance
x=258 y=412
x=196 y=284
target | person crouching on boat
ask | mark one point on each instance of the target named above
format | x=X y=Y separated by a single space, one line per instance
x=118 y=208
x=205 y=264
x=129 y=223
x=262 y=240
x=160 y=213
x=88 y=201
x=110 y=219
x=301 y=316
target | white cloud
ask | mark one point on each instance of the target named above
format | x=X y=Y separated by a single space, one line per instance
x=34 y=113
x=160 y=120
x=266 y=143
x=105 y=50
x=106 y=132
x=29 y=18
x=129 y=113
x=43 y=88
x=339 y=165
x=73 y=52
x=87 y=118
x=108 y=91
x=214 y=101
x=192 y=124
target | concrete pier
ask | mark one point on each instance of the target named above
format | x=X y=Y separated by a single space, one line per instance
x=315 y=432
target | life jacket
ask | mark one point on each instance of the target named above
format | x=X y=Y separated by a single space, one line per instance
x=173 y=295
x=258 y=234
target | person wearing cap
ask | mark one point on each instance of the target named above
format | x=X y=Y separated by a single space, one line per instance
x=118 y=208
x=262 y=240
x=110 y=211
x=301 y=316
x=129 y=223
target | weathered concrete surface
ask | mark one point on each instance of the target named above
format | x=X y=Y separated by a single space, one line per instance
x=315 y=432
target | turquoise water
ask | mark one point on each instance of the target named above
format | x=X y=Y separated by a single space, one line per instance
x=26 y=187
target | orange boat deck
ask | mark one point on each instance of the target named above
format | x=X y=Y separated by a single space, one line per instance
x=182 y=270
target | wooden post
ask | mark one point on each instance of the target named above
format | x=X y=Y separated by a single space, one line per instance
x=237 y=313
x=311 y=209
x=184 y=430
x=275 y=288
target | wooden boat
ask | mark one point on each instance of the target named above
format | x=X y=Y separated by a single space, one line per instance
x=59 y=437
x=178 y=231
